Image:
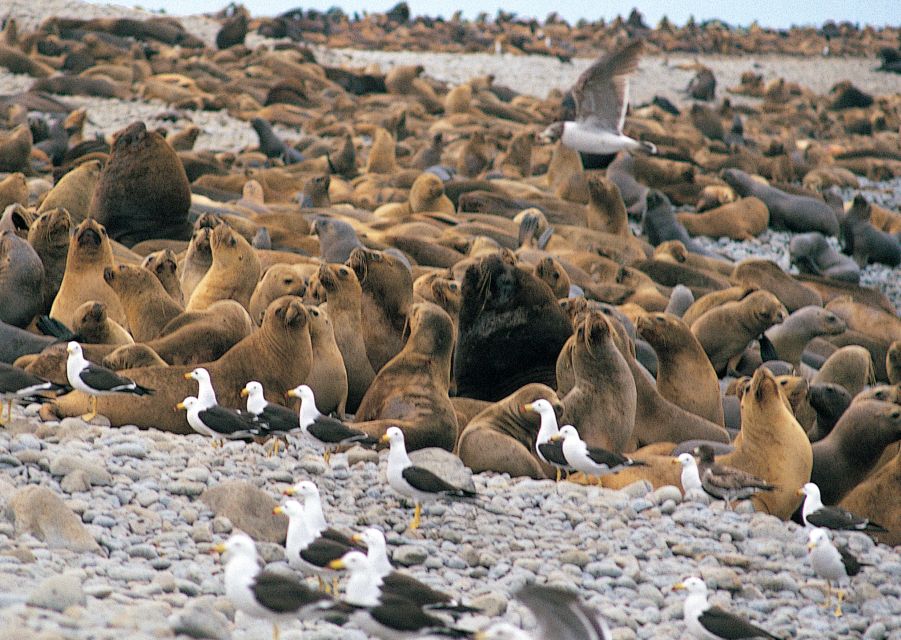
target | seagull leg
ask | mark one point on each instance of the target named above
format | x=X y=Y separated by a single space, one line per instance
x=326 y=455
x=9 y=411
x=826 y=603
x=838 y=607
x=559 y=474
x=335 y=586
x=93 y=412
x=417 y=517
x=322 y=584
x=276 y=633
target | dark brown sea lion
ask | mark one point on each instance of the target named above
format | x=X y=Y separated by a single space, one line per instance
x=877 y=498
x=767 y=275
x=829 y=401
x=863 y=241
x=328 y=377
x=21 y=280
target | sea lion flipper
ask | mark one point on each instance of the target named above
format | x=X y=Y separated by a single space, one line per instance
x=53 y=327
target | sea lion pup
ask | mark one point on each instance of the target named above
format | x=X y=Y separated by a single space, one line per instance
x=148 y=307
x=659 y=223
x=851 y=367
x=94 y=327
x=551 y=272
x=197 y=261
x=233 y=274
x=675 y=251
x=426 y=196
x=429 y=156
x=337 y=239
x=411 y=390
x=501 y=437
x=13 y=190
x=740 y=220
x=438 y=288
x=49 y=236
x=21 y=280
x=769 y=276
x=90 y=253
x=315 y=192
x=714 y=299
x=725 y=331
x=511 y=330
x=877 y=497
x=791 y=336
x=845 y=457
x=516 y=162
x=277 y=281
x=605 y=210
x=812 y=254
x=387 y=294
x=381 y=154
x=771 y=445
x=73 y=192
x=602 y=401
x=338 y=288
x=164 y=265
x=327 y=378
x=143 y=190
x=685 y=376
x=893 y=362
x=133 y=356
x=879 y=325
x=829 y=401
x=864 y=242
x=15 y=149
x=278 y=355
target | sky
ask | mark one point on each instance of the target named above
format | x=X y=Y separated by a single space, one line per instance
x=769 y=13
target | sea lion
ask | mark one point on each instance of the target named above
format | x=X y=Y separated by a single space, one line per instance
x=501 y=437
x=15 y=149
x=877 y=324
x=381 y=154
x=164 y=265
x=771 y=445
x=791 y=336
x=143 y=190
x=90 y=253
x=233 y=274
x=787 y=211
x=411 y=390
x=511 y=330
x=93 y=326
x=863 y=241
x=740 y=220
x=605 y=210
x=829 y=401
x=659 y=223
x=279 y=356
x=680 y=299
x=714 y=299
x=13 y=190
x=277 y=281
x=197 y=261
x=21 y=280
x=851 y=367
x=133 y=356
x=877 y=498
x=893 y=362
x=685 y=375
x=851 y=451
x=337 y=239
x=602 y=402
x=147 y=305
x=551 y=272
x=769 y=276
x=812 y=254
x=74 y=191
x=725 y=331
x=49 y=236
x=327 y=378
x=387 y=294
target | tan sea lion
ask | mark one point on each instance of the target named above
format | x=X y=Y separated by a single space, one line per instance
x=197 y=261
x=74 y=191
x=771 y=445
x=233 y=274
x=15 y=149
x=739 y=220
x=13 y=190
x=550 y=271
x=90 y=253
x=147 y=305
x=767 y=275
x=49 y=235
x=411 y=390
x=851 y=367
x=712 y=300
x=893 y=362
x=877 y=498
x=381 y=154
x=501 y=438
x=164 y=265
x=327 y=378
x=880 y=325
x=93 y=326
x=605 y=210
x=133 y=356
x=277 y=281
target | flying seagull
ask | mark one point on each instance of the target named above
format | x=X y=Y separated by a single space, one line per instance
x=601 y=95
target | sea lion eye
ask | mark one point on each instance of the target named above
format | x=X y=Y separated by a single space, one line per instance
x=452 y=286
x=879 y=395
x=343 y=272
x=288 y=282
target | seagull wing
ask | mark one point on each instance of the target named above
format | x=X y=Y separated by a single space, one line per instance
x=278 y=419
x=602 y=456
x=284 y=594
x=227 y=422
x=852 y=564
x=104 y=379
x=561 y=615
x=322 y=551
x=553 y=453
x=837 y=518
x=403 y=615
x=602 y=91
x=733 y=479
x=729 y=626
x=332 y=431
x=424 y=480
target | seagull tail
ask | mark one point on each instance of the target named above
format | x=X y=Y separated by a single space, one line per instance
x=872 y=527
x=142 y=391
x=636 y=463
x=453 y=608
x=648 y=147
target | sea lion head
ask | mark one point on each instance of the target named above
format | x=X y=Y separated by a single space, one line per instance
x=766 y=308
x=320 y=322
x=51 y=228
x=533 y=399
x=594 y=331
x=285 y=313
x=333 y=278
x=575 y=309
x=552 y=272
x=883 y=393
x=229 y=246
x=762 y=390
x=134 y=133
x=493 y=280
x=794 y=388
x=860 y=208
x=90 y=237
x=431 y=330
x=829 y=397
x=93 y=312
x=207 y=221
x=424 y=193
x=551 y=134
x=674 y=249
x=661 y=330
x=17 y=218
x=161 y=263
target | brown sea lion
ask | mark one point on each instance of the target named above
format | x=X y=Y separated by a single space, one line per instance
x=49 y=235
x=411 y=390
x=863 y=241
x=501 y=438
x=93 y=326
x=13 y=190
x=90 y=253
x=147 y=305
x=767 y=275
x=877 y=498
x=605 y=210
x=21 y=280
x=829 y=401
x=233 y=274
x=279 y=356
x=133 y=356
x=164 y=265
x=15 y=149
x=328 y=378
x=712 y=300
x=381 y=154
x=851 y=367
x=893 y=362
x=553 y=273
x=739 y=220
x=771 y=445
x=277 y=281
x=791 y=336
x=197 y=261
x=877 y=324
x=74 y=191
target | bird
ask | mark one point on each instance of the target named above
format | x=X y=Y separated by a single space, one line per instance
x=274 y=419
x=217 y=421
x=325 y=432
x=95 y=380
x=18 y=385
x=709 y=622
x=417 y=483
x=592 y=461
x=601 y=96
x=727 y=483
x=550 y=452
x=815 y=514
x=831 y=562
x=265 y=594
x=383 y=615
x=206 y=395
x=560 y=614
x=690 y=477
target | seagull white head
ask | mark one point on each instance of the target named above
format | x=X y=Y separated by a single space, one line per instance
x=541 y=406
x=687 y=460
x=304 y=392
x=393 y=436
x=251 y=389
x=371 y=537
x=199 y=374
x=291 y=508
x=188 y=403
x=818 y=537
x=73 y=349
x=810 y=490
x=304 y=489
x=568 y=431
x=352 y=561
x=238 y=545
x=694 y=585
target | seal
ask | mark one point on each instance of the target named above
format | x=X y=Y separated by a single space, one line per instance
x=829 y=401
x=771 y=445
x=552 y=273
x=164 y=265
x=143 y=190
x=21 y=280
x=90 y=253
x=606 y=210
x=791 y=336
x=740 y=220
x=279 y=356
x=387 y=287
x=13 y=190
x=49 y=237
x=769 y=276
x=501 y=437
x=411 y=390
x=132 y=356
x=714 y=299
x=147 y=306
x=685 y=376
x=877 y=498
x=880 y=326
x=15 y=149
x=233 y=274
x=812 y=254
x=328 y=378
x=725 y=331
x=94 y=327
x=197 y=261
x=863 y=241
x=845 y=457
x=511 y=330
x=893 y=362
x=277 y=281
x=73 y=192
x=851 y=367
x=381 y=154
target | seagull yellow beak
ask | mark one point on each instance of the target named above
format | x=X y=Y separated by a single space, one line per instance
x=528 y=407
x=188 y=376
x=799 y=492
x=336 y=564
x=278 y=511
x=218 y=548
x=290 y=393
x=181 y=405
x=384 y=439
x=357 y=537
x=289 y=491
x=679 y=586
x=555 y=438
x=245 y=393
x=811 y=545
x=675 y=461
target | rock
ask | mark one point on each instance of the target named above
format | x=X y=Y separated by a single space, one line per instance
x=39 y=511
x=409 y=555
x=667 y=492
x=94 y=472
x=200 y=620
x=638 y=489
x=491 y=604
x=58 y=593
x=75 y=482
x=359 y=454
x=248 y=508
x=576 y=557
x=444 y=464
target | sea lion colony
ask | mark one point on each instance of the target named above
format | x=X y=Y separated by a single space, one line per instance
x=471 y=270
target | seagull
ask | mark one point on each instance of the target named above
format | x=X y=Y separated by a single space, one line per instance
x=831 y=562
x=275 y=420
x=708 y=622
x=592 y=461
x=264 y=594
x=206 y=395
x=601 y=95
x=95 y=380
x=417 y=482
x=691 y=479
x=815 y=514
x=549 y=452
x=217 y=421
x=727 y=483
x=326 y=432
x=18 y=385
